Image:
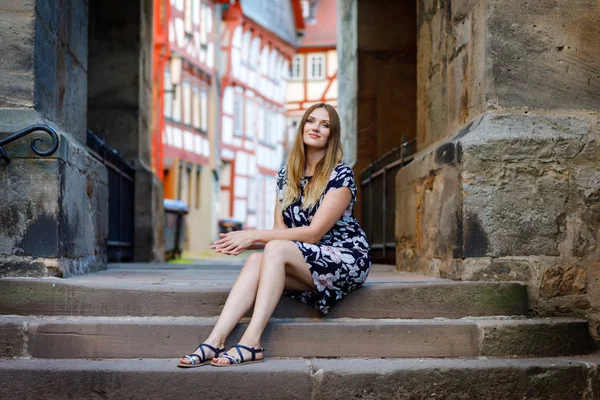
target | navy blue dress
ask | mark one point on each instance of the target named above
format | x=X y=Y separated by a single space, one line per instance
x=341 y=260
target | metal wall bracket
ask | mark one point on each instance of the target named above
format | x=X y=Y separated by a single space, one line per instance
x=27 y=131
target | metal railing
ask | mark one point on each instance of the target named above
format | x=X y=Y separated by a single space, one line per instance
x=27 y=131
x=121 y=201
x=379 y=200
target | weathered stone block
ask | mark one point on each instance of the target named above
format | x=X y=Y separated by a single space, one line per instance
x=564 y=281
x=541 y=55
x=544 y=338
x=78 y=32
x=45 y=61
x=48 y=225
x=29 y=212
x=16 y=46
x=494 y=269
x=12 y=340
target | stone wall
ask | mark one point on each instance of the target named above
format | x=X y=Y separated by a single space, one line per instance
x=506 y=184
x=53 y=211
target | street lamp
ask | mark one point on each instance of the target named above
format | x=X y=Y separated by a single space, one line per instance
x=176 y=66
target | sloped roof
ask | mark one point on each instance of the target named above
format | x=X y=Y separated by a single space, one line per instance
x=274 y=15
x=323 y=32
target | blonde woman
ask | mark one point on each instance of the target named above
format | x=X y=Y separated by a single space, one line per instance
x=316 y=251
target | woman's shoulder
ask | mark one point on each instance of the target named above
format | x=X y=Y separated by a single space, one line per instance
x=282 y=171
x=342 y=169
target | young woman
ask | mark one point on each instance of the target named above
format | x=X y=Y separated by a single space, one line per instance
x=316 y=251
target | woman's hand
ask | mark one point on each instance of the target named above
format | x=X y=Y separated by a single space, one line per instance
x=235 y=242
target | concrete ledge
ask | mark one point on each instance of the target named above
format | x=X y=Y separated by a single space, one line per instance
x=446 y=299
x=160 y=337
x=546 y=379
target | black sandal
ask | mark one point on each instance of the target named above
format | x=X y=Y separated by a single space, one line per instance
x=235 y=361
x=201 y=360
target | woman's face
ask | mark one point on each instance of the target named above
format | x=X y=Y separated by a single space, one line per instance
x=316 y=129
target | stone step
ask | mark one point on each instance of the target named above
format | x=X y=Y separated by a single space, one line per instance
x=88 y=296
x=498 y=379
x=168 y=337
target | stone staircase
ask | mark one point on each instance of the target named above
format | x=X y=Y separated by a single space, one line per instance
x=118 y=334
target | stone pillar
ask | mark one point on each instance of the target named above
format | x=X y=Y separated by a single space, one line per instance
x=53 y=210
x=120 y=106
x=506 y=185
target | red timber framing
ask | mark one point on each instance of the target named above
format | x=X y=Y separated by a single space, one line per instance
x=160 y=56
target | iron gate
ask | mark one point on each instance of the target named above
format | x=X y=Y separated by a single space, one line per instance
x=121 y=179
x=379 y=201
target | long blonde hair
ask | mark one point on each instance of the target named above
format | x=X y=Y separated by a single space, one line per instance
x=296 y=163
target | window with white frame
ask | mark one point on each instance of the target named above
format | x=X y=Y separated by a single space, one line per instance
x=204 y=110
x=176 y=115
x=168 y=102
x=196 y=12
x=305 y=8
x=250 y=119
x=252 y=194
x=187 y=103
x=238 y=116
x=296 y=68
x=188 y=17
x=316 y=66
x=204 y=25
x=269 y=126
x=196 y=108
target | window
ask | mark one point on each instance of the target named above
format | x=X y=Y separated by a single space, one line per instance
x=296 y=68
x=252 y=194
x=269 y=121
x=190 y=177
x=196 y=12
x=205 y=17
x=187 y=103
x=249 y=119
x=316 y=66
x=187 y=12
x=196 y=108
x=238 y=116
x=204 y=110
x=177 y=104
x=305 y=8
x=198 y=185
x=168 y=101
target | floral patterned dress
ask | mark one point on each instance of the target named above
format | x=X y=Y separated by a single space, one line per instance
x=341 y=260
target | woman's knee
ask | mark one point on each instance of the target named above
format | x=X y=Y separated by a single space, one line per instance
x=253 y=262
x=276 y=249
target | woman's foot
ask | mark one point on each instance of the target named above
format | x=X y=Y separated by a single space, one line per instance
x=240 y=354
x=203 y=355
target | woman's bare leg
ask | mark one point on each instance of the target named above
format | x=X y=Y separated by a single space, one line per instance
x=281 y=258
x=240 y=300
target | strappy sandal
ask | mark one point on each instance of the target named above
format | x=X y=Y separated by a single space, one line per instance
x=196 y=360
x=235 y=361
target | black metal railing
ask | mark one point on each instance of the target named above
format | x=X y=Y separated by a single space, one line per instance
x=379 y=201
x=121 y=180
x=27 y=131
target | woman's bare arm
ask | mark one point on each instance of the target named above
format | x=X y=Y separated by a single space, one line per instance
x=331 y=209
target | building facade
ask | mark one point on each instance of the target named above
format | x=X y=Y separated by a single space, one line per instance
x=257 y=47
x=313 y=71
x=189 y=102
